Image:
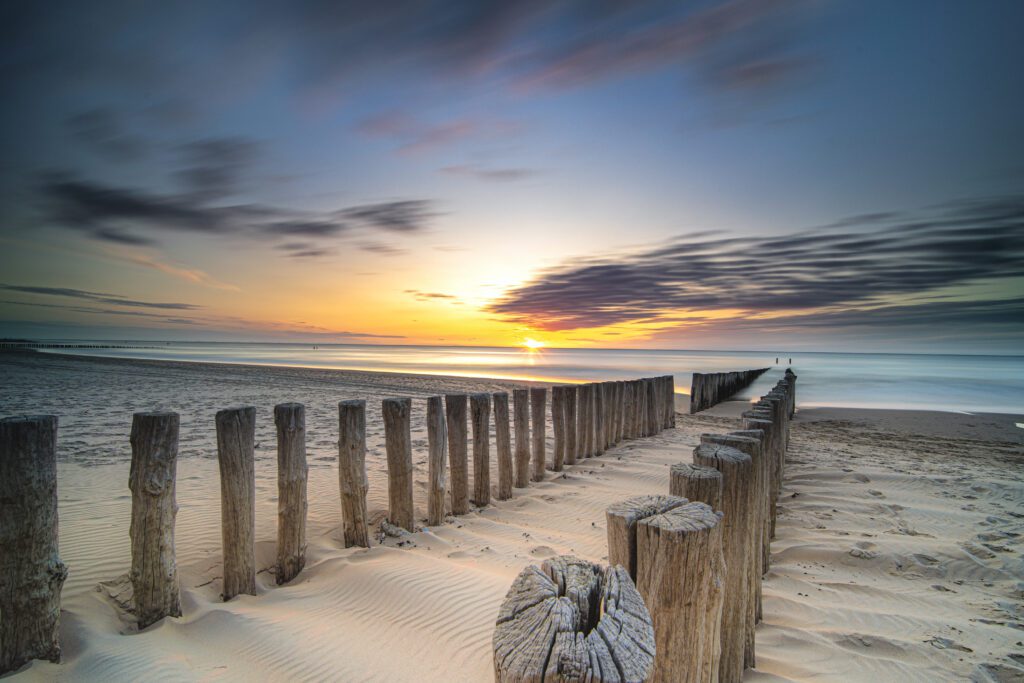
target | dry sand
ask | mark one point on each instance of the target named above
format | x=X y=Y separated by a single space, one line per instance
x=898 y=554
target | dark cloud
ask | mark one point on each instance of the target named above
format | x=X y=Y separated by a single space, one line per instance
x=98 y=297
x=216 y=167
x=398 y=216
x=102 y=130
x=878 y=262
x=491 y=174
x=429 y=296
x=381 y=248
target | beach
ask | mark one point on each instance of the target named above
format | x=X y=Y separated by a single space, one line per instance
x=897 y=556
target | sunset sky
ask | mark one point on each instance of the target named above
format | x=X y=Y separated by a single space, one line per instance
x=742 y=174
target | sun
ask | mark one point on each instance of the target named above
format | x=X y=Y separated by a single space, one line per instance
x=533 y=344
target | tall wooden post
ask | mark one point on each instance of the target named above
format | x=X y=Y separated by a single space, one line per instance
x=397 y=414
x=31 y=573
x=622 y=518
x=503 y=443
x=558 y=426
x=521 y=409
x=480 y=415
x=352 y=472
x=437 y=441
x=455 y=408
x=571 y=444
x=538 y=430
x=599 y=421
x=236 y=436
x=290 y=420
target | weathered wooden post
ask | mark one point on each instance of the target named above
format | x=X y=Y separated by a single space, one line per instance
x=290 y=420
x=480 y=416
x=521 y=417
x=680 y=570
x=641 y=408
x=696 y=482
x=503 y=443
x=236 y=436
x=653 y=410
x=752 y=422
x=538 y=430
x=352 y=472
x=583 y=427
x=31 y=573
x=622 y=518
x=437 y=441
x=397 y=413
x=458 y=448
x=628 y=400
x=558 y=426
x=571 y=620
x=620 y=410
x=571 y=444
x=599 y=418
x=672 y=401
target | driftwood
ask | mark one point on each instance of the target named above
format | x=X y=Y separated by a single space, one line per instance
x=152 y=480
x=696 y=483
x=352 y=480
x=558 y=427
x=571 y=442
x=437 y=441
x=31 y=573
x=458 y=463
x=236 y=435
x=571 y=620
x=538 y=431
x=503 y=444
x=398 y=444
x=290 y=420
x=521 y=417
x=622 y=519
x=680 y=571
x=480 y=416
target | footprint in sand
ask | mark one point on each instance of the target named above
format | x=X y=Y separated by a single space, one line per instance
x=863 y=550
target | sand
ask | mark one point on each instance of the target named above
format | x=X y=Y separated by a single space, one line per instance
x=898 y=554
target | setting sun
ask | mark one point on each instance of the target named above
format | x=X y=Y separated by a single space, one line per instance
x=533 y=343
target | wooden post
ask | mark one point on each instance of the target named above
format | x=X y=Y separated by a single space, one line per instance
x=397 y=413
x=571 y=417
x=558 y=426
x=352 y=472
x=236 y=436
x=437 y=441
x=652 y=407
x=458 y=462
x=622 y=518
x=620 y=410
x=641 y=408
x=737 y=531
x=764 y=426
x=696 y=482
x=571 y=620
x=480 y=415
x=627 y=410
x=31 y=573
x=503 y=442
x=538 y=430
x=680 y=570
x=290 y=420
x=584 y=430
x=672 y=401
x=521 y=416
x=599 y=418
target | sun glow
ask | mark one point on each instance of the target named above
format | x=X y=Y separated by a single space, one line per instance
x=533 y=344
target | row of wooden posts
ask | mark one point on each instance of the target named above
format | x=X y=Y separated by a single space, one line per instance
x=586 y=420
x=708 y=389
x=682 y=593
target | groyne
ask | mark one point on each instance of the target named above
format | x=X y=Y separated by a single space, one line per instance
x=711 y=388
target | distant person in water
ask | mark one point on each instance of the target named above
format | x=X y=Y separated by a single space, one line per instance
x=776 y=360
x=790 y=361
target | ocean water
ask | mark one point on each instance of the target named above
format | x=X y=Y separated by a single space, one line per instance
x=858 y=380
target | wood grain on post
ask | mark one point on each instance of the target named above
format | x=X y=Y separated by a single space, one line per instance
x=437 y=476
x=31 y=573
x=627 y=410
x=458 y=450
x=680 y=570
x=571 y=431
x=622 y=518
x=503 y=443
x=653 y=409
x=696 y=482
x=641 y=408
x=764 y=426
x=571 y=620
x=620 y=410
x=352 y=480
x=558 y=427
x=521 y=418
x=589 y=421
x=236 y=436
x=480 y=416
x=538 y=431
x=292 y=472
x=397 y=413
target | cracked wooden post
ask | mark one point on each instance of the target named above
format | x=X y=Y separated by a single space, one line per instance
x=292 y=472
x=572 y=620
x=398 y=444
x=571 y=431
x=680 y=571
x=458 y=458
x=696 y=482
x=437 y=476
x=352 y=481
x=236 y=436
x=622 y=518
x=503 y=443
x=521 y=417
x=31 y=573
x=737 y=470
x=538 y=431
x=558 y=427
x=480 y=416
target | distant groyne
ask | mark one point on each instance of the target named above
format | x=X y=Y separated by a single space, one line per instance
x=710 y=389
x=17 y=344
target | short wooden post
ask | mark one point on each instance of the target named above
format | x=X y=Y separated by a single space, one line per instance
x=503 y=443
x=397 y=413
x=538 y=430
x=558 y=427
x=292 y=471
x=680 y=570
x=31 y=573
x=571 y=620
x=521 y=417
x=571 y=443
x=480 y=416
x=437 y=442
x=236 y=436
x=458 y=451
x=622 y=518
x=696 y=482
x=352 y=472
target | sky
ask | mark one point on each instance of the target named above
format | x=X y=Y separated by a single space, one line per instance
x=737 y=174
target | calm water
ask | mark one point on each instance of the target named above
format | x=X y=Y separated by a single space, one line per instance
x=942 y=382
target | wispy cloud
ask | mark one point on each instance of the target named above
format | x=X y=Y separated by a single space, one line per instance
x=98 y=297
x=490 y=174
